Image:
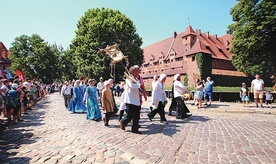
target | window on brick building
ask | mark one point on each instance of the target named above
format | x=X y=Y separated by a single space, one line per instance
x=193 y=58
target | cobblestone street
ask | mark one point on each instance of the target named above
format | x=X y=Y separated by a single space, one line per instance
x=51 y=134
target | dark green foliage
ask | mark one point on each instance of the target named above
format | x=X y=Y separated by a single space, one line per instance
x=231 y=81
x=33 y=50
x=186 y=79
x=204 y=63
x=97 y=29
x=254 y=36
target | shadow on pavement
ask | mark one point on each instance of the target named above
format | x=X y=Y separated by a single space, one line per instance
x=16 y=135
x=167 y=129
x=216 y=106
x=172 y=127
x=195 y=118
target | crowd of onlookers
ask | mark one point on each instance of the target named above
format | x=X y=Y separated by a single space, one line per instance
x=204 y=92
x=19 y=95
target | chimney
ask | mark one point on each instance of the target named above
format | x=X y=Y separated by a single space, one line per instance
x=208 y=34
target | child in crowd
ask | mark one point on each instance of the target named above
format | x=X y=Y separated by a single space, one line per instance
x=107 y=102
x=244 y=95
x=268 y=99
x=199 y=94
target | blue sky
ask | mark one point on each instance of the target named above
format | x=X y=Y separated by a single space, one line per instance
x=55 y=20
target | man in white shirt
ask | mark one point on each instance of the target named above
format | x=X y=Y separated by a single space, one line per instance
x=182 y=111
x=159 y=100
x=132 y=101
x=66 y=92
x=257 y=87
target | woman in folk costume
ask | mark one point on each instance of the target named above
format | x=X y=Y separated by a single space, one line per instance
x=115 y=108
x=159 y=100
x=77 y=98
x=179 y=89
x=71 y=105
x=173 y=103
x=107 y=102
x=91 y=98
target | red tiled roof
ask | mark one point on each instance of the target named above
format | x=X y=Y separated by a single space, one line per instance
x=2 y=46
x=162 y=47
x=189 y=30
x=4 y=52
x=154 y=51
x=198 y=47
x=216 y=46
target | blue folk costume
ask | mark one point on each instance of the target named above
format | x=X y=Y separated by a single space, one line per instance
x=77 y=106
x=71 y=105
x=93 y=110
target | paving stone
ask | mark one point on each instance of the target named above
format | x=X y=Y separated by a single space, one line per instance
x=123 y=162
x=127 y=156
x=208 y=136
x=139 y=161
x=51 y=161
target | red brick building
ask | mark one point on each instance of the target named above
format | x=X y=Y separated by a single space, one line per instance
x=183 y=55
x=4 y=59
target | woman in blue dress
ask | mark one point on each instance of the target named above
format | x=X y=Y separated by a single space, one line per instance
x=71 y=105
x=79 y=106
x=91 y=97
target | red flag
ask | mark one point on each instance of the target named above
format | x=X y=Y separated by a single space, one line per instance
x=20 y=74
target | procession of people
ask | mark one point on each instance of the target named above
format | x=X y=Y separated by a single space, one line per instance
x=96 y=99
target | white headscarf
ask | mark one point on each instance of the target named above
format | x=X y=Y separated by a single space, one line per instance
x=106 y=83
x=176 y=76
x=133 y=68
x=162 y=76
x=77 y=81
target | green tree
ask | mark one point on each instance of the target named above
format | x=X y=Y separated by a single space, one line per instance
x=254 y=37
x=97 y=29
x=35 y=58
x=68 y=70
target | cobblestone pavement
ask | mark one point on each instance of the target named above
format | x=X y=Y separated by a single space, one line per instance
x=50 y=134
